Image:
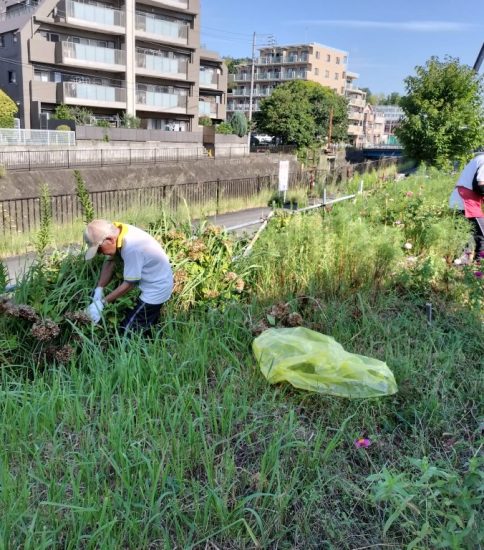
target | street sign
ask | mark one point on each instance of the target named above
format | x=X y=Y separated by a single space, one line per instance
x=283 y=175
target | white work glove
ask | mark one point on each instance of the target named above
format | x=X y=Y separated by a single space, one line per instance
x=98 y=293
x=95 y=311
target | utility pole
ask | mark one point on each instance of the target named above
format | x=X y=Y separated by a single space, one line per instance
x=480 y=58
x=251 y=96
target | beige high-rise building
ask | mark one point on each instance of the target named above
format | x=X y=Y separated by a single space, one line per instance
x=356 y=106
x=279 y=64
x=113 y=57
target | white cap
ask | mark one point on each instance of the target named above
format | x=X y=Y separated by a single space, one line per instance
x=95 y=234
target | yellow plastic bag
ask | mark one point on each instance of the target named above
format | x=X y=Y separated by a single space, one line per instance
x=316 y=362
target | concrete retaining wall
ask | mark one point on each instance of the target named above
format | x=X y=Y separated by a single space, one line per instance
x=27 y=184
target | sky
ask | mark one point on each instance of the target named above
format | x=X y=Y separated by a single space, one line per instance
x=386 y=40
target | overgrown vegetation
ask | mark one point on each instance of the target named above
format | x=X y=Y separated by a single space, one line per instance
x=178 y=441
x=444 y=114
x=8 y=110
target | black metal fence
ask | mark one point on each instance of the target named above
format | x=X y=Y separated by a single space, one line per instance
x=23 y=215
x=78 y=158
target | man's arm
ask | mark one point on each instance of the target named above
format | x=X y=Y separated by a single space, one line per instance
x=106 y=273
x=121 y=290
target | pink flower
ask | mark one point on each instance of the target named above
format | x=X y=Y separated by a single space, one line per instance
x=409 y=193
x=362 y=443
x=478 y=274
x=481 y=254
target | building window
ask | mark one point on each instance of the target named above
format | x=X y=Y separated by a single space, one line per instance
x=15 y=37
x=2 y=40
x=338 y=60
x=326 y=74
x=328 y=58
x=316 y=72
x=317 y=55
x=336 y=76
x=12 y=77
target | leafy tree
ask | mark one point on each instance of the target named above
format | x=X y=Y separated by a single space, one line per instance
x=371 y=98
x=233 y=62
x=391 y=99
x=238 y=121
x=8 y=110
x=443 y=110
x=80 y=115
x=298 y=112
x=224 y=128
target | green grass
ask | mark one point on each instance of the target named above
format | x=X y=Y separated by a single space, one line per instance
x=179 y=442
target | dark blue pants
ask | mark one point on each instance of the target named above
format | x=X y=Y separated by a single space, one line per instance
x=141 y=318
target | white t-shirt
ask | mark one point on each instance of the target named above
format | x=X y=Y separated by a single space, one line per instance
x=465 y=180
x=146 y=263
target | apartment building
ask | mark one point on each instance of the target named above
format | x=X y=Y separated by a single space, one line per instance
x=356 y=106
x=278 y=64
x=392 y=114
x=373 y=127
x=139 y=57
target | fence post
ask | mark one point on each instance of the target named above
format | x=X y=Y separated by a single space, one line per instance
x=68 y=158
x=28 y=152
x=130 y=156
x=102 y=156
x=217 y=196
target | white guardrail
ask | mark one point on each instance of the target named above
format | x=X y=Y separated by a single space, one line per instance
x=12 y=136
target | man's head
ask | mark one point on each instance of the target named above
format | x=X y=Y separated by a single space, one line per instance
x=100 y=237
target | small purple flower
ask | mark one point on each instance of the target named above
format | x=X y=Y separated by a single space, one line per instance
x=478 y=274
x=362 y=443
x=481 y=254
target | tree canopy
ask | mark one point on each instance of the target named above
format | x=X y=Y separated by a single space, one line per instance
x=238 y=122
x=443 y=112
x=8 y=110
x=298 y=112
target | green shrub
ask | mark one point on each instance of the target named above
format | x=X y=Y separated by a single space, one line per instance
x=224 y=128
x=8 y=110
x=238 y=122
x=63 y=128
x=130 y=121
x=84 y=198
x=3 y=171
x=205 y=121
x=44 y=234
x=102 y=123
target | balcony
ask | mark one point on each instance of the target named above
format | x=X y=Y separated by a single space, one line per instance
x=155 y=64
x=105 y=19
x=206 y=108
x=355 y=130
x=209 y=79
x=94 y=57
x=46 y=92
x=156 y=28
x=283 y=60
x=241 y=77
x=152 y=100
x=267 y=76
x=182 y=5
x=84 y=93
x=41 y=51
x=294 y=75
